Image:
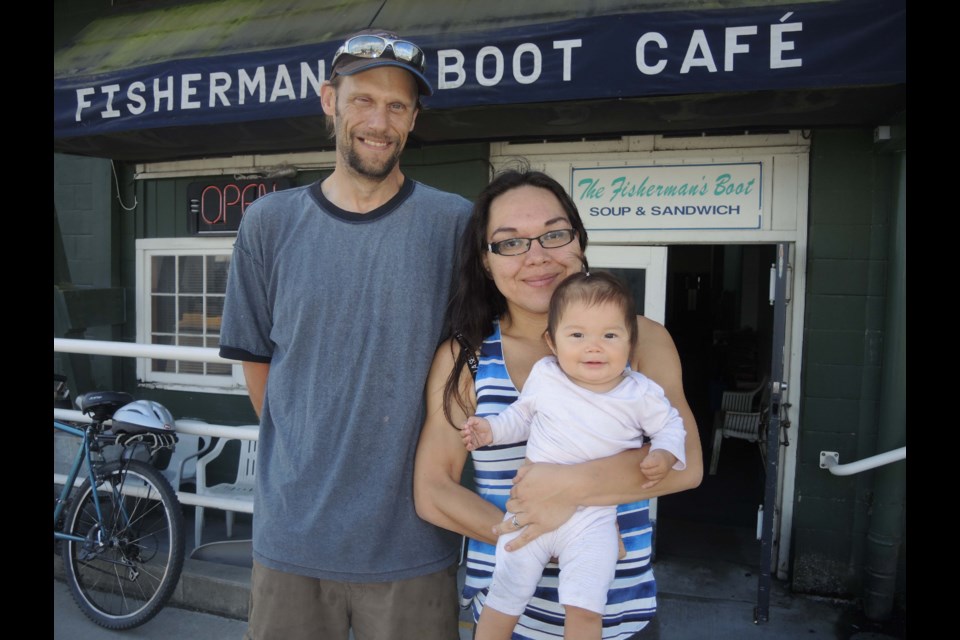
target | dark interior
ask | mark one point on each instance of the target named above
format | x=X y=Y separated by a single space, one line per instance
x=719 y=315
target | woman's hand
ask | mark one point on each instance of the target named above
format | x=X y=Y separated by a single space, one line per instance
x=544 y=496
x=541 y=500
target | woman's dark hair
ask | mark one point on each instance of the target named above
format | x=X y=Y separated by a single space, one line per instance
x=476 y=301
x=593 y=288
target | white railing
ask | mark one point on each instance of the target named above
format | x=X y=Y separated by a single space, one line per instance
x=830 y=460
x=136 y=350
x=186 y=426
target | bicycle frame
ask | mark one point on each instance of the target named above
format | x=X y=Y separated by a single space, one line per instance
x=88 y=434
x=120 y=532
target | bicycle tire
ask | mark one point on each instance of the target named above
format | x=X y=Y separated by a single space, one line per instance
x=126 y=569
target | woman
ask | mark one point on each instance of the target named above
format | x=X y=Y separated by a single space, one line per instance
x=512 y=259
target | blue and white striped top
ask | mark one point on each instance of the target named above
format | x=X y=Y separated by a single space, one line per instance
x=631 y=601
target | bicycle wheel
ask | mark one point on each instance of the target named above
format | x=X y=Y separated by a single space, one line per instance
x=126 y=568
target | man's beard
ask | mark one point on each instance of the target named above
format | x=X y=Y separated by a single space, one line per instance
x=346 y=144
x=370 y=169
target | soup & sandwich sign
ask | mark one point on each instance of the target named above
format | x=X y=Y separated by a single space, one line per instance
x=670 y=197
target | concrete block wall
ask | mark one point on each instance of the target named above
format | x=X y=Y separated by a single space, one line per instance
x=84 y=212
x=843 y=337
x=81 y=194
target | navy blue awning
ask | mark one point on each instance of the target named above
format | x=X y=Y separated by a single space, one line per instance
x=806 y=46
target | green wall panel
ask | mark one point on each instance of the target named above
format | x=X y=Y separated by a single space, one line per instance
x=851 y=201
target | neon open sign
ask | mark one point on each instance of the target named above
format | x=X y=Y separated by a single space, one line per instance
x=215 y=207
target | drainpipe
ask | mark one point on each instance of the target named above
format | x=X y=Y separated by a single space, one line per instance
x=885 y=532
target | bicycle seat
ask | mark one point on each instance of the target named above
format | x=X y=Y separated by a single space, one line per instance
x=100 y=405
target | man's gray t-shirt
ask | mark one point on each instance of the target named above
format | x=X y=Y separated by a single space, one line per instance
x=348 y=310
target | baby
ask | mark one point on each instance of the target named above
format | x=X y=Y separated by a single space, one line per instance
x=581 y=404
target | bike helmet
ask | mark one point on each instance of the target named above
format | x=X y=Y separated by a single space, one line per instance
x=142 y=416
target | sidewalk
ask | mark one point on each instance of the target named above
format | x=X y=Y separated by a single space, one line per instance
x=698 y=599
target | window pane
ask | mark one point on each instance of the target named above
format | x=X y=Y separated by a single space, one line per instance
x=162 y=365
x=217 y=267
x=213 y=368
x=163 y=269
x=636 y=280
x=191 y=314
x=164 y=311
x=191 y=274
x=185 y=365
x=214 y=313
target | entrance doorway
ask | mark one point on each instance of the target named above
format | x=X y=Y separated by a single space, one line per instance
x=718 y=312
x=715 y=301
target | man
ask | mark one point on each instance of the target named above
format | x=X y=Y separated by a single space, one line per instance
x=335 y=304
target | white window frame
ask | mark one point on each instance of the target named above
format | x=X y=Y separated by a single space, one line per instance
x=146 y=249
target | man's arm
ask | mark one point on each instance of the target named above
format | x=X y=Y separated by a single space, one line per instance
x=256 y=374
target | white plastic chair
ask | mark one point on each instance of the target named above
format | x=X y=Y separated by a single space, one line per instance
x=240 y=489
x=182 y=466
x=741 y=415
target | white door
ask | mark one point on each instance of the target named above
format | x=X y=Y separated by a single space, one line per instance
x=644 y=269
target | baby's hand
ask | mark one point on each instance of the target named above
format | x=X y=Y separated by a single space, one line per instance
x=476 y=433
x=656 y=466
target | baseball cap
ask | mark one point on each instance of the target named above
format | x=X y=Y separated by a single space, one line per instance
x=372 y=48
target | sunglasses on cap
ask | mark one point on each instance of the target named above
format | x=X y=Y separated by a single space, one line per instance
x=373 y=46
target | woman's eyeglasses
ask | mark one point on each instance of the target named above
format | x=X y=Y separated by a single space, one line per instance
x=370 y=46
x=518 y=246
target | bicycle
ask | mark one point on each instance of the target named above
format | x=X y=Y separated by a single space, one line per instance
x=121 y=532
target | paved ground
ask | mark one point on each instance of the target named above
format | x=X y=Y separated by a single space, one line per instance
x=699 y=598
x=697 y=601
x=170 y=624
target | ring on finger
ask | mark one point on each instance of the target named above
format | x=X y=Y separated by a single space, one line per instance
x=515 y=523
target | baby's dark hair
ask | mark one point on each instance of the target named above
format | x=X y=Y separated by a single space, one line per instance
x=593 y=288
